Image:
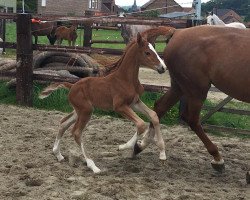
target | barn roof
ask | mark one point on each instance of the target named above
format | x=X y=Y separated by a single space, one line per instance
x=150 y=2
x=176 y=14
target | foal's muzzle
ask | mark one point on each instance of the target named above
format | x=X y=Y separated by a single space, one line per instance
x=161 y=69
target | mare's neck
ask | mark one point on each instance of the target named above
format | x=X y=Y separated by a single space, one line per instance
x=129 y=67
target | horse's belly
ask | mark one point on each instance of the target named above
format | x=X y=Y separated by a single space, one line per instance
x=237 y=89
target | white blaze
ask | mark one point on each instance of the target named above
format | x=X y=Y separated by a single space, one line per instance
x=161 y=61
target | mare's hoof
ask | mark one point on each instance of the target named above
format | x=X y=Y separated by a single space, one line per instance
x=218 y=167
x=137 y=149
x=248 y=177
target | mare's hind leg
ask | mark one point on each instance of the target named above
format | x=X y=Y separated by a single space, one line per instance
x=163 y=105
x=141 y=107
x=193 y=119
x=84 y=116
x=66 y=122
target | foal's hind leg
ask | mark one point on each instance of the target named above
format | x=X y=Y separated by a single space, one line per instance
x=194 y=108
x=141 y=107
x=84 y=116
x=66 y=122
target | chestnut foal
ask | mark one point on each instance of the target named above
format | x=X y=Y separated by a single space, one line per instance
x=118 y=91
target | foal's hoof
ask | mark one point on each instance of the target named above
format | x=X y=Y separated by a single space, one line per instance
x=248 y=177
x=218 y=166
x=137 y=149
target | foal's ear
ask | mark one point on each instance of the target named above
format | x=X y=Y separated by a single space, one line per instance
x=140 y=41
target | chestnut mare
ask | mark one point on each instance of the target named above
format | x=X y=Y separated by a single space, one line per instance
x=44 y=28
x=119 y=91
x=196 y=58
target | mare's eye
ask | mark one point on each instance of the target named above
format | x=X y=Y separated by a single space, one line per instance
x=147 y=53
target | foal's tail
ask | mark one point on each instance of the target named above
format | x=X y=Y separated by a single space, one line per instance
x=51 y=88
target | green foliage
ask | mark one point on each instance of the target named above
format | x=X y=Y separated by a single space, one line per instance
x=239 y=6
x=30 y=5
x=152 y=13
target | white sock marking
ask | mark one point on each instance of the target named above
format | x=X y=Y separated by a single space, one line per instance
x=56 y=150
x=130 y=143
x=90 y=163
x=218 y=162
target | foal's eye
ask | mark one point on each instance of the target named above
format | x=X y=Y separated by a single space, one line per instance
x=147 y=53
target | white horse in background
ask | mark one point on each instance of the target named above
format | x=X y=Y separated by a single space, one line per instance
x=213 y=19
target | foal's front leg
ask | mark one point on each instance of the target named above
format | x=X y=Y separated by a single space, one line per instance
x=128 y=113
x=149 y=135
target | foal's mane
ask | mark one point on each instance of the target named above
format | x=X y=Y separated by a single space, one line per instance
x=110 y=68
x=149 y=35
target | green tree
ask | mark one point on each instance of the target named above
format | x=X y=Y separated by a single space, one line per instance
x=30 y=5
x=242 y=7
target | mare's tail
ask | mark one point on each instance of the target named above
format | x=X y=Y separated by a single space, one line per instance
x=51 y=88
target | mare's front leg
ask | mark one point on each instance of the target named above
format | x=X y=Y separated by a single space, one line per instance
x=193 y=119
x=149 y=135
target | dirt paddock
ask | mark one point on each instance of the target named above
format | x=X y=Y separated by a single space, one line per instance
x=29 y=170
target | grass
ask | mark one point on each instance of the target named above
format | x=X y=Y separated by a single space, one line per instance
x=58 y=101
x=97 y=35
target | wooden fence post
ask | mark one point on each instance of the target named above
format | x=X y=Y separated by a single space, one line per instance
x=4 y=35
x=3 y=32
x=24 y=51
x=87 y=39
x=87 y=35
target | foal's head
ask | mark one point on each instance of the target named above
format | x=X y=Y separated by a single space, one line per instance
x=148 y=57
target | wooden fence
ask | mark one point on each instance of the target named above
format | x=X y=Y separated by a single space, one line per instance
x=25 y=76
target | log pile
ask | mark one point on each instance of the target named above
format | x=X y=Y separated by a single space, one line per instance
x=62 y=64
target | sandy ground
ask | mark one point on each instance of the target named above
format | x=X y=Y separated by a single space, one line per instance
x=29 y=170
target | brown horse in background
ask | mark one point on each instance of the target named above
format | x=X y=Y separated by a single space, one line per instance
x=65 y=33
x=44 y=28
x=196 y=58
x=118 y=91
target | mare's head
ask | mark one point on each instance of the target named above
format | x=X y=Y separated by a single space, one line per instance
x=73 y=28
x=148 y=56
